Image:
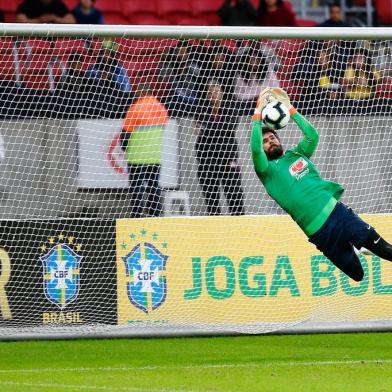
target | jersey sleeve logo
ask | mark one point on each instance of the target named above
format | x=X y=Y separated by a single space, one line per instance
x=299 y=168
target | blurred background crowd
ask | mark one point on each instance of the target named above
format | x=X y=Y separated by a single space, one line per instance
x=64 y=77
x=199 y=12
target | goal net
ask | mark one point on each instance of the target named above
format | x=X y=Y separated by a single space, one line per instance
x=128 y=199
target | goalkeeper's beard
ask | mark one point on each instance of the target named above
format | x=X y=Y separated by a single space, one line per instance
x=274 y=152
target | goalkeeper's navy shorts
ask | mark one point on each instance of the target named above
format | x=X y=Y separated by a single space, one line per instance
x=335 y=239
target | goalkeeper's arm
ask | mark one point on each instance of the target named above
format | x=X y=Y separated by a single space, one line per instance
x=260 y=161
x=308 y=144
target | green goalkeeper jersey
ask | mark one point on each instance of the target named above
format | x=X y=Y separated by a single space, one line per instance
x=293 y=181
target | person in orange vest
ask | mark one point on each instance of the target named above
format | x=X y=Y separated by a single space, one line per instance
x=141 y=140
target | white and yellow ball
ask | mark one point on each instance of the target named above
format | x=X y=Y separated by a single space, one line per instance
x=275 y=115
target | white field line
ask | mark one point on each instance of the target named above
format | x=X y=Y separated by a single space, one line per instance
x=80 y=387
x=204 y=367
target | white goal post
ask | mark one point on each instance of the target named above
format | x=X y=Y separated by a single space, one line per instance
x=129 y=205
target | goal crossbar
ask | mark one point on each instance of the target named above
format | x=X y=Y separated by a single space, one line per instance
x=204 y=32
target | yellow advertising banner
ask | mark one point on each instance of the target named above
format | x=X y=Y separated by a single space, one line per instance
x=241 y=271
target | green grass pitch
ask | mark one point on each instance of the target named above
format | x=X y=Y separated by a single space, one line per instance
x=332 y=362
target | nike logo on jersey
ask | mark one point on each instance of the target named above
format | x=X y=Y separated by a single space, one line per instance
x=376 y=241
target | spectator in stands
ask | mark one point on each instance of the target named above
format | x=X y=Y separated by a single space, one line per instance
x=43 y=11
x=382 y=60
x=86 y=13
x=220 y=66
x=319 y=81
x=237 y=13
x=335 y=17
x=180 y=69
x=275 y=13
x=217 y=152
x=255 y=73
x=74 y=93
x=109 y=69
x=141 y=140
x=360 y=77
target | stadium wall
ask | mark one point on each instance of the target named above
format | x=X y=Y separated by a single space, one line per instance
x=223 y=279
x=73 y=169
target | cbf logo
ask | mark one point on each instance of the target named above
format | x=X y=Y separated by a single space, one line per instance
x=145 y=266
x=299 y=168
x=61 y=271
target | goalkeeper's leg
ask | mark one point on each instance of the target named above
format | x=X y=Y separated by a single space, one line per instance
x=361 y=234
x=343 y=256
x=377 y=245
x=336 y=238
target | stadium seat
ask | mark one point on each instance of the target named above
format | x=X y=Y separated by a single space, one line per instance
x=115 y=19
x=71 y=4
x=144 y=46
x=306 y=23
x=36 y=81
x=193 y=21
x=35 y=76
x=9 y=9
x=7 y=67
x=288 y=53
x=143 y=13
x=384 y=89
x=7 y=45
x=384 y=11
x=142 y=70
x=135 y=67
x=139 y=8
x=37 y=63
x=174 y=10
x=293 y=88
x=147 y=20
x=42 y=72
x=109 y=6
x=40 y=46
x=289 y=5
x=112 y=11
x=27 y=49
x=64 y=46
x=208 y=10
x=7 y=5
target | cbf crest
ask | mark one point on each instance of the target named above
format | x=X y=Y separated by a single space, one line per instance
x=61 y=266
x=145 y=267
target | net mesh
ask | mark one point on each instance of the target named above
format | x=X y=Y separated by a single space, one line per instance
x=99 y=134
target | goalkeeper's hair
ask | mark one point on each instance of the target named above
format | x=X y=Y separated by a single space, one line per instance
x=269 y=130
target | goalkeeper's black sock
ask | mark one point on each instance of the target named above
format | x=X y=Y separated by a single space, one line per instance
x=377 y=245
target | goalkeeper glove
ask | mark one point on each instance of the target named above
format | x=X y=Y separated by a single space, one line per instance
x=265 y=97
x=282 y=96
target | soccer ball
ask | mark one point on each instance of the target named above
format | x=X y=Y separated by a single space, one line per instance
x=275 y=115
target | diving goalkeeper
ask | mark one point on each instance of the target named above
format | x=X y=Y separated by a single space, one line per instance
x=291 y=179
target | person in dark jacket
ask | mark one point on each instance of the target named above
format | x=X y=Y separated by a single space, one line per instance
x=43 y=11
x=275 y=13
x=237 y=13
x=86 y=13
x=217 y=153
x=73 y=92
x=335 y=17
